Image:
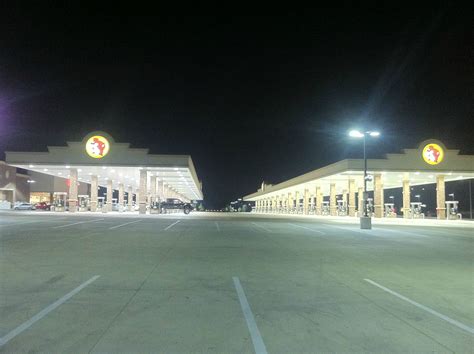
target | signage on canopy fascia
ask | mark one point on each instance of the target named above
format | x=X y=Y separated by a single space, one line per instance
x=432 y=153
x=97 y=146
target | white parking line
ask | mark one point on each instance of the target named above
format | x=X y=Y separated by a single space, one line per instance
x=218 y=228
x=307 y=228
x=20 y=223
x=170 y=226
x=348 y=229
x=31 y=221
x=27 y=324
x=76 y=223
x=262 y=227
x=127 y=223
x=400 y=232
x=257 y=340
x=423 y=307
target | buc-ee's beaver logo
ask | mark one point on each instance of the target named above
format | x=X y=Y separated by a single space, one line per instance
x=97 y=146
x=433 y=154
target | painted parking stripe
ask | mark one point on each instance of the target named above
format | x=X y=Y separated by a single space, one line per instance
x=423 y=307
x=76 y=223
x=127 y=223
x=170 y=226
x=262 y=227
x=257 y=340
x=347 y=229
x=27 y=324
x=217 y=226
x=307 y=228
x=400 y=232
x=20 y=223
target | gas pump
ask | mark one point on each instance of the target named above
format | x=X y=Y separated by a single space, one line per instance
x=155 y=207
x=100 y=203
x=299 y=206
x=416 y=210
x=325 y=208
x=389 y=210
x=341 y=207
x=59 y=201
x=312 y=207
x=370 y=207
x=452 y=210
x=292 y=207
x=115 y=206
x=83 y=202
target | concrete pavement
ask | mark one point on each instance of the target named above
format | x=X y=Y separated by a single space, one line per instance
x=168 y=287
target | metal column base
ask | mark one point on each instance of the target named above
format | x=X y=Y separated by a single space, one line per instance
x=366 y=222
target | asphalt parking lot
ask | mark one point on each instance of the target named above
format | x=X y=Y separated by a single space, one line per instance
x=232 y=284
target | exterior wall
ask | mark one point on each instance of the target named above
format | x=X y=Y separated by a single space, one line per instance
x=13 y=186
x=51 y=184
x=7 y=182
x=22 y=189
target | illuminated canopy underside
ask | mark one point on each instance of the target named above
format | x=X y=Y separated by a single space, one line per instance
x=121 y=165
x=395 y=168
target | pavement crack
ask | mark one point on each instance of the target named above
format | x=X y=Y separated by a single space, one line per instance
x=136 y=291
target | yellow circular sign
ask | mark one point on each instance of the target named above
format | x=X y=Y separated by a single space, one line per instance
x=433 y=154
x=97 y=147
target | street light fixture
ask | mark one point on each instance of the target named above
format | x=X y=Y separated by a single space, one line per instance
x=365 y=220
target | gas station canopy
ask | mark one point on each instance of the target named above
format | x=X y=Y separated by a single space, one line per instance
x=419 y=166
x=99 y=155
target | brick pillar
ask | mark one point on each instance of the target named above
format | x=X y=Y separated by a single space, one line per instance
x=72 y=190
x=440 y=197
x=94 y=192
x=130 y=198
x=406 y=199
x=378 y=196
x=360 y=204
x=319 y=200
x=352 y=198
x=332 y=199
x=143 y=192
x=160 y=190
x=153 y=189
x=121 y=196
x=110 y=193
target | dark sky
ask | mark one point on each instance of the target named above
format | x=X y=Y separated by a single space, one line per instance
x=249 y=98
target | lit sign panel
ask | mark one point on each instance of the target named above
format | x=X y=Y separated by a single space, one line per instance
x=97 y=147
x=433 y=154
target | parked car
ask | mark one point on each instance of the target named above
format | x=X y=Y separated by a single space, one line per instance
x=43 y=206
x=173 y=204
x=24 y=206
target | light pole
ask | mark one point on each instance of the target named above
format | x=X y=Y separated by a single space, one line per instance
x=365 y=220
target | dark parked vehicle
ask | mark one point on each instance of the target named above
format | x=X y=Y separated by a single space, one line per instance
x=174 y=204
x=43 y=206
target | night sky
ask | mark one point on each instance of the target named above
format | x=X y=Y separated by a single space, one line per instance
x=249 y=98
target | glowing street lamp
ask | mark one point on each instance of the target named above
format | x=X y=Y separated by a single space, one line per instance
x=365 y=220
